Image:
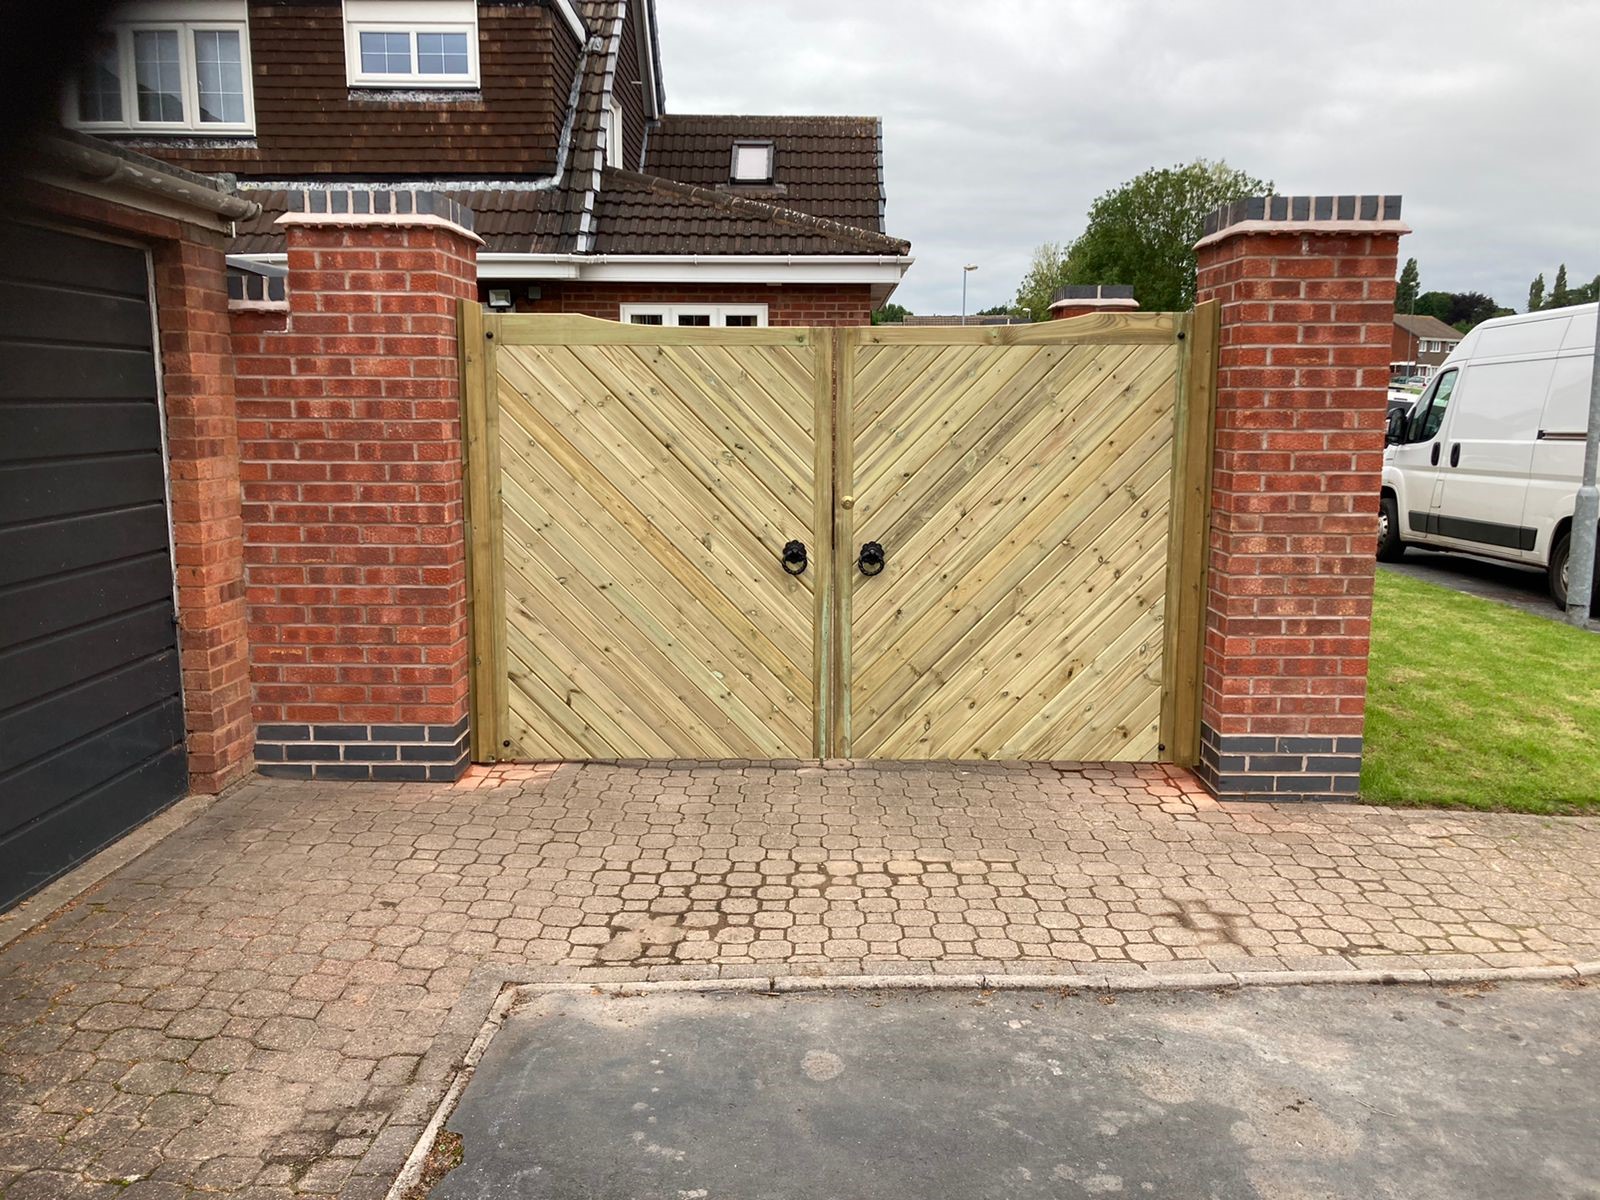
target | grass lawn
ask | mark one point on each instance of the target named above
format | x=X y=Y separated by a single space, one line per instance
x=1475 y=705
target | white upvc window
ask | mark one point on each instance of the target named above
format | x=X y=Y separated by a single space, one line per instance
x=411 y=43
x=690 y=316
x=614 y=135
x=167 y=68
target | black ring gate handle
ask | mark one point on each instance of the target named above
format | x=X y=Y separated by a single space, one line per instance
x=871 y=559
x=794 y=557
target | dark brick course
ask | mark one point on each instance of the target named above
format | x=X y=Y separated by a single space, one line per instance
x=381 y=752
x=1256 y=767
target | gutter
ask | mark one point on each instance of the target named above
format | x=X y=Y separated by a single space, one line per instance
x=108 y=167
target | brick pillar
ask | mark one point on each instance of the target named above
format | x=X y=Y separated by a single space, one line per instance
x=355 y=550
x=207 y=536
x=1080 y=299
x=1306 y=293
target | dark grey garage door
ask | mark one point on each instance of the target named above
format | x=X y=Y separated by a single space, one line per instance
x=91 y=719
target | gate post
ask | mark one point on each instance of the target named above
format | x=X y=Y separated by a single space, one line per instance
x=1306 y=290
x=355 y=545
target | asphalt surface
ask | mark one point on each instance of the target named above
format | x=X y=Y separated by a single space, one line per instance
x=1523 y=588
x=1278 y=1094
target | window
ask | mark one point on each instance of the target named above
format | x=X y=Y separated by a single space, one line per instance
x=1428 y=415
x=752 y=162
x=703 y=316
x=411 y=43
x=157 y=73
x=614 y=135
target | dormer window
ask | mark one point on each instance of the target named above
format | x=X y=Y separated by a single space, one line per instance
x=614 y=135
x=752 y=162
x=411 y=43
x=167 y=68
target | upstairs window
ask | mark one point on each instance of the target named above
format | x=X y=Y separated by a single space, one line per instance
x=411 y=43
x=614 y=135
x=156 y=73
x=701 y=316
x=752 y=162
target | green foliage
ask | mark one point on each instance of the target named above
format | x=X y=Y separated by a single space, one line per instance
x=1046 y=273
x=890 y=314
x=999 y=310
x=1405 y=294
x=1143 y=233
x=1471 y=704
x=1536 y=293
x=1462 y=310
x=1559 y=296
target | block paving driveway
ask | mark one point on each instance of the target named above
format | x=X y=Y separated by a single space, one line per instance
x=272 y=1000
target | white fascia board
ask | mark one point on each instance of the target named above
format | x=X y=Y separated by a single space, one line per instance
x=706 y=268
x=569 y=10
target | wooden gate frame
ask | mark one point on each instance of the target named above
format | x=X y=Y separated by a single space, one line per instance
x=1188 y=515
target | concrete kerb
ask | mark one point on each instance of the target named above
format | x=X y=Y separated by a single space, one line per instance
x=513 y=995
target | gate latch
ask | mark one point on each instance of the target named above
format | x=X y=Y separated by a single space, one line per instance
x=794 y=557
x=872 y=558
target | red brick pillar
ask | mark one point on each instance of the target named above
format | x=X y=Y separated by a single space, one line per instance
x=355 y=550
x=1306 y=292
x=203 y=481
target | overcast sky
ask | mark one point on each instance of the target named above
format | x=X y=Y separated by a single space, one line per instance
x=1004 y=119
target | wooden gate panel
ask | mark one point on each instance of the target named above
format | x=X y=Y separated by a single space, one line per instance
x=648 y=486
x=1041 y=492
x=1024 y=503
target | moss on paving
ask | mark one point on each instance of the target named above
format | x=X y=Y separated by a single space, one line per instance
x=1472 y=704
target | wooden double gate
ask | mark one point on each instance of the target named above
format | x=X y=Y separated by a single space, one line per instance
x=927 y=543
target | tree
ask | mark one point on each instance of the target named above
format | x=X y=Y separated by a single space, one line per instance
x=1559 y=296
x=999 y=310
x=1536 y=293
x=1405 y=293
x=1143 y=233
x=890 y=314
x=1046 y=273
x=1463 y=310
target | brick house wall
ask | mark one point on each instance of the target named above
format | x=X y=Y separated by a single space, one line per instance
x=351 y=472
x=1306 y=290
x=787 y=304
x=197 y=383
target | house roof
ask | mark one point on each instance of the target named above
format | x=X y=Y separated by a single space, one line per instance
x=827 y=166
x=634 y=214
x=1424 y=326
x=826 y=198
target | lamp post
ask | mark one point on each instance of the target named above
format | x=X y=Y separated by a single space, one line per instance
x=965 y=271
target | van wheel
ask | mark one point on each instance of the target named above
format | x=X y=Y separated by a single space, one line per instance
x=1559 y=558
x=1390 y=547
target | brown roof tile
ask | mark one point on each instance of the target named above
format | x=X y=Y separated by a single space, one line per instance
x=644 y=214
x=827 y=166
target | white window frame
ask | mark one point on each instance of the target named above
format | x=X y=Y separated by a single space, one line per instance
x=614 y=134
x=185 y=20
x=771 y=150
x=409 y=17
x=719 y=314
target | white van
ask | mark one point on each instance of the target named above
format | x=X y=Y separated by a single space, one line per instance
x=1489 y=458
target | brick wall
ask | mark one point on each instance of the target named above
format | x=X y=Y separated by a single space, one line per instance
x=354 y=544
x=1306 y=294
x=203 y=473
x=787 y=304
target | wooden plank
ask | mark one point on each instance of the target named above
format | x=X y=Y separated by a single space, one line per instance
x=822 y=554
x=486 y=619
x=1092 y=329
x=846 y=341
x=1189 y=539
x=565 y=329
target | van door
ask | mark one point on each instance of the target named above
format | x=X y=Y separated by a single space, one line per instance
x=1558 y=451
x=1487 y=452
x=1416 y=458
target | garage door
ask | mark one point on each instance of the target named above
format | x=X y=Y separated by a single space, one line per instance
x=91 y=717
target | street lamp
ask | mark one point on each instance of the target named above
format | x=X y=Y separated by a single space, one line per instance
x=965 y=271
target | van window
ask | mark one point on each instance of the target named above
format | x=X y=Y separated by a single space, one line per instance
x=1428 y=415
